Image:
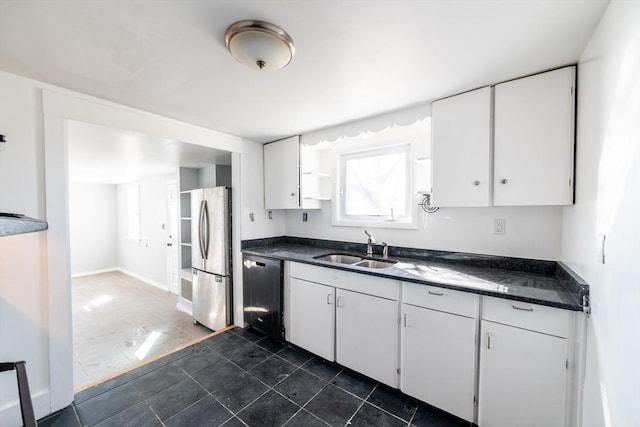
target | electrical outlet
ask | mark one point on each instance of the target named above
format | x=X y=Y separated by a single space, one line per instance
x=304 y=217
x=498 y=226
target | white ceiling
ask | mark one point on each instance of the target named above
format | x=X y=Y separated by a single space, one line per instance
x=113 y=156
x=353 y=58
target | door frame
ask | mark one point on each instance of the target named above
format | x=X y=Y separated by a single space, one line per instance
x=60 y=105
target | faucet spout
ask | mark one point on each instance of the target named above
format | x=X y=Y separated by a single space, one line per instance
x=370 y=242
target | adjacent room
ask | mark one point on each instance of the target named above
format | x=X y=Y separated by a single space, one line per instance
x=124 y=216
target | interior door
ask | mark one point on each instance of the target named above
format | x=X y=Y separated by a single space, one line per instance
x=171 y=227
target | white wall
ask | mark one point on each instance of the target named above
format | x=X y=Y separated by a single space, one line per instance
x=247 y=198
x=92 y=227
x=23 y=259
x=35 y=291
x=531 y=232
x=608 y=203
x=145 y=258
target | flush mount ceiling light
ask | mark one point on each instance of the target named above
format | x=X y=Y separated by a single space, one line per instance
x=259 y=45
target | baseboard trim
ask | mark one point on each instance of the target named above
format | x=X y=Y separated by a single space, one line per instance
x=144 y=279
x=184 y=306
x=10 y=412
x=89 y=273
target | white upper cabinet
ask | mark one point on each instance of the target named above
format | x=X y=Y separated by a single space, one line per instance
x=291 y=176
x=534 y=140
x=461 y=149
x=521 y=155
x=282 y=174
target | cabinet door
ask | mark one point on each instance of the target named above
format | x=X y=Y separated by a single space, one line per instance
x=534 y=140
x=282 y=174
x=522 y=378
x=367 y=335
x=461 y=149
x=438 y=359
x=311 y=317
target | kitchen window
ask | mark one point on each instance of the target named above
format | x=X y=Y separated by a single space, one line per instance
x=374 y=188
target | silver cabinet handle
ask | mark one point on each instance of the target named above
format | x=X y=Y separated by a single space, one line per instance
x=405 y=320
x=504 y=181
x=515 y=307
x=339 y=302
x=488 y=341
x=438 y=294
x=329 y=299
x=476 y=182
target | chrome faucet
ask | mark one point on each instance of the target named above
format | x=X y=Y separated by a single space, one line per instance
x=370 y=242
x=385 y=250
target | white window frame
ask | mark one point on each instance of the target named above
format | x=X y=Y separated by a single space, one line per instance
x=340 y=218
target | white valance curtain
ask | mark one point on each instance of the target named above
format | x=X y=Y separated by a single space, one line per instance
x=375 y=124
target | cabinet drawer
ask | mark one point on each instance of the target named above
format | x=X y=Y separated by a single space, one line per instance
x=442 y=299
x=548 y=320
x=363 y=283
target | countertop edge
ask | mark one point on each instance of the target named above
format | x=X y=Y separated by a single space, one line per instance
x=10 y=226
x=260 y=251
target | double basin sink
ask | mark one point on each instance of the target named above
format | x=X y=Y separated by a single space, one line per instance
x=355 y=260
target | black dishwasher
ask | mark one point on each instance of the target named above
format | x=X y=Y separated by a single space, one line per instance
x=262 y=295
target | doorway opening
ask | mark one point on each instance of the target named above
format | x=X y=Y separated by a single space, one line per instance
x=129 y=249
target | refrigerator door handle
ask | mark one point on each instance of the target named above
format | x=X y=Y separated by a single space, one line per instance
x=205 y=230
x=200 y=230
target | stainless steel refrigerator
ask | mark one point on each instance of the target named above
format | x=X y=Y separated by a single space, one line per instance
x=210 y=257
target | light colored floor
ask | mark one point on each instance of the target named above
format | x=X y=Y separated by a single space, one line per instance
x=120 y=321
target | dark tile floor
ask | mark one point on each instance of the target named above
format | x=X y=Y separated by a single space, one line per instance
x=241 y=378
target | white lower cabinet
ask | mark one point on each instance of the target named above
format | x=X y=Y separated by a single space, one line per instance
x=350 y=318
x=438 y=362
x=523 y=376
x=311 y=317
x=367 y=335
x=513 y=366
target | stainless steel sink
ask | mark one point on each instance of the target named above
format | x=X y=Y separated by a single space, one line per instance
x=340 y=258
x=355 y=260
x=372 y=263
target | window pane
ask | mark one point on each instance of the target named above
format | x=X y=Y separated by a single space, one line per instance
x=375 y=185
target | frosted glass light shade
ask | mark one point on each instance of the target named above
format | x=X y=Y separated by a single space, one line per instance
x=259 y=45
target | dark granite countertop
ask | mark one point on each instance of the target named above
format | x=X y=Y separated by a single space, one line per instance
x=11 y=224
x=540 y=282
